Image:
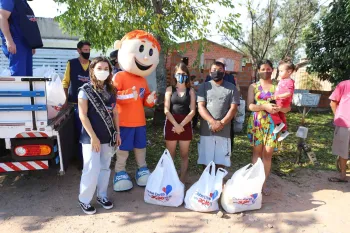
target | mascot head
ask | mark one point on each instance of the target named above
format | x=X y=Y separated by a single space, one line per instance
x=138 y=53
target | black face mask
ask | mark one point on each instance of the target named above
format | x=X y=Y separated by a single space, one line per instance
x=86 y=56
x=264 y=75
x=217 y=76
x=113 y=62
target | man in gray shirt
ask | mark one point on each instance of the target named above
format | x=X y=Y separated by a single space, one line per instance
x=217 y=105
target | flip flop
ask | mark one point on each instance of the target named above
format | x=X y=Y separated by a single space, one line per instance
x=336 y=179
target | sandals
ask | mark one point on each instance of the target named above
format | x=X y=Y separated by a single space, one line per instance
x=337 y=180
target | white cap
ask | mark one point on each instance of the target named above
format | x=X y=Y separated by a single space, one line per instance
x=221 y=60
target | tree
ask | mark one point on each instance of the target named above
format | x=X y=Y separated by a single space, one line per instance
x=275 y=30
x=104 y=21
x=328 y=43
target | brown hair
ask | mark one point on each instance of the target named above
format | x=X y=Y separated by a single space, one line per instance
x=289 y=64
x=184 y=68
x=108 y=82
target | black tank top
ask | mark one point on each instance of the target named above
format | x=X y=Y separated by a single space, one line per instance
x=180 y=105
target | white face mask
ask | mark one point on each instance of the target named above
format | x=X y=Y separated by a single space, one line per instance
x=101 y=75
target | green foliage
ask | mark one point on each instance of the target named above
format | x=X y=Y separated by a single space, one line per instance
x=274 y=30
x=328 y=43
x=104 y=21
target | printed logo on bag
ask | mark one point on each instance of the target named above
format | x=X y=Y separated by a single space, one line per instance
x=142 y=92
x=205 y=200
x=163 y=196
x=57 y=108
x=247 y=200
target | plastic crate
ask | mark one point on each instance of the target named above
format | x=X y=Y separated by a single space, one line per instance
x=306 y=99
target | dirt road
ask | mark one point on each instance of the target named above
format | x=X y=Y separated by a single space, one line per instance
x=45 y=202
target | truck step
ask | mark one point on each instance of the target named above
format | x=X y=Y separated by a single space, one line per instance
x=20 y=108
x=22 y=94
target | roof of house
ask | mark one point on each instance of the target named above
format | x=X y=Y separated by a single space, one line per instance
x=210 y=41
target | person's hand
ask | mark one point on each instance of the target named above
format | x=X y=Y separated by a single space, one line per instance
x=11 y=47
x=178 y=129
x=151 y=98
x=216 y=126
x=33 y=51
x=95 y=144
x=135 y=93
x=65 y=105
x=118 y=140
x=270 y=108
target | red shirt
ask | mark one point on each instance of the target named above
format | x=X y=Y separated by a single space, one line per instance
x=285 y=86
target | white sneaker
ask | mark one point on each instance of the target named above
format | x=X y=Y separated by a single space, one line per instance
x=278 y=128
x=283 y=136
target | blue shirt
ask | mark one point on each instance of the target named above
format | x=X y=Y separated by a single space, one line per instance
x=9 y=5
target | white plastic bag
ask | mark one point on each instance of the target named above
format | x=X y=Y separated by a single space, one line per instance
x=164 y=186
x=243 y=191
x=240 y=116
x=203 y=195
x=55 y=95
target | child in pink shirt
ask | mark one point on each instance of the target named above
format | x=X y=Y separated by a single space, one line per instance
x=283 y=97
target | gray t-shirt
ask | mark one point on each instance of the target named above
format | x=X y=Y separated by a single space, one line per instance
x=218 y=100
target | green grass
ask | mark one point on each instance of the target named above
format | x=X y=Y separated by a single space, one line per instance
x=320 y=137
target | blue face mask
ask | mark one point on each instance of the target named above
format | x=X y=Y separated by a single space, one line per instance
x=181 y=78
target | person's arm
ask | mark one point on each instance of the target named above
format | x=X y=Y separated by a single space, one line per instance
x=235 y=100
x=123 y=96
x=203 y=112
x=334 y=105
x=283 y=96
x=83 y=109
x=5 y=27
x=336 y=97
x=150 y=97
x=192 y=112
x=230 y=114
x=284 y=110
x=116 y=125
x=178 y=128
x=66 y=80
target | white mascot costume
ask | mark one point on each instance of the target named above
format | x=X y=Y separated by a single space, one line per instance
x=138 y=57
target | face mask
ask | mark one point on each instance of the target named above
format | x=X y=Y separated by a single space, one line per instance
x=86 y=56
x=181 y=78
x=217 y=76
x=264 y=75
x=101 y=75
x=196 y=83
x=113 y=62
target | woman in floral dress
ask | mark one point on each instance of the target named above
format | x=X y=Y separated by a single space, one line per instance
x=260 y=125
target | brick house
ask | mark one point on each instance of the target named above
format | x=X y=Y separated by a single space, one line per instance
x=200 y=67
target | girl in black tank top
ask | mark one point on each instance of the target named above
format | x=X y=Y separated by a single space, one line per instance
x=179 y=108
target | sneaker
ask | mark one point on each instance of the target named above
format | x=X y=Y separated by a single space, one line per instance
x=122 y=182
x=105 y=203
x=142 y=175
x=278 y=128
x=283 y=136
x=87 y=208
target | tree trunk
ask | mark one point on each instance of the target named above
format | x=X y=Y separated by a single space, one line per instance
x=161 y=78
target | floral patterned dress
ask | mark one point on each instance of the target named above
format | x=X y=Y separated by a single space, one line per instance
x=260 y=124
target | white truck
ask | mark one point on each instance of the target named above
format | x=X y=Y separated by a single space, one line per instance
x=28 y=139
